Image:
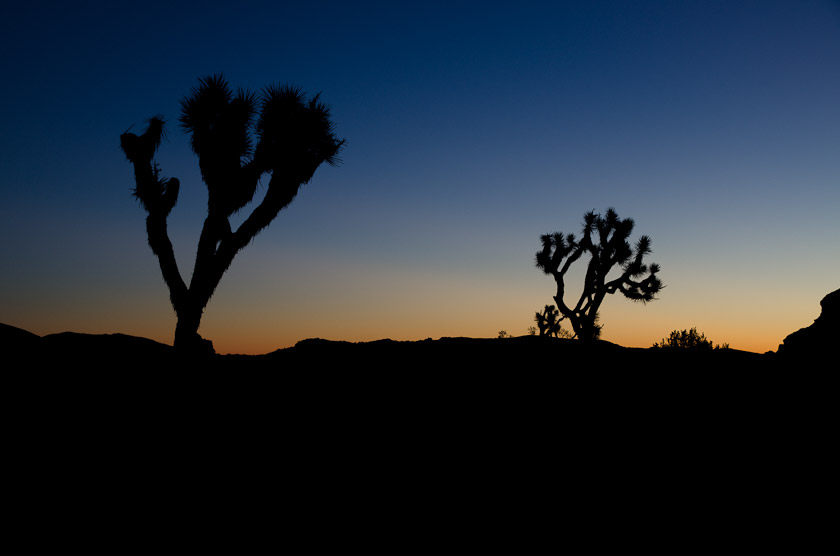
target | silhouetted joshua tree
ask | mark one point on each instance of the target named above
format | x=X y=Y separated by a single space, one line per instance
x=548 y=321
x=238 y=138
x=605 y=240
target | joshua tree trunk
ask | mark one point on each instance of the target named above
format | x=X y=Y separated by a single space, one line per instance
x=183 y=300
x=217 y=249
x=187 y=338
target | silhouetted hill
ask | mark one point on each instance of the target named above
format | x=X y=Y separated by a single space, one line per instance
x=79 y=352
x=817 y=342
x=505 y=422
x=522 y=354
x=323 y=403
x=12 y=338
x=526 y=354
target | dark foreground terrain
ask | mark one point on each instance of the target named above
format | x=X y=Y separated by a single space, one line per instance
x=519 y=385
x=429 y=433
x=526 y=354
x=517 y=434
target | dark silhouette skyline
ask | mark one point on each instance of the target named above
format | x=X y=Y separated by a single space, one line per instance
x=472 y=130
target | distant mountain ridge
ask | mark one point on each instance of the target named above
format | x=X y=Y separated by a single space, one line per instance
x=525 y=353
x=71 y=347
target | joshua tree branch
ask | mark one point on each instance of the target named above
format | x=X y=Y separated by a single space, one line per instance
x=279 y=195
x=162 y=248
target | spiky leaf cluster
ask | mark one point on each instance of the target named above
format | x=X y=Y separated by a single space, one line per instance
x=294 y=135
x=239 y=137
x=605 y=238
x=157 y=195
x=556 y=247
x=217 y=120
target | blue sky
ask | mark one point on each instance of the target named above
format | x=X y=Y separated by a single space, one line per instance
x=471 y=128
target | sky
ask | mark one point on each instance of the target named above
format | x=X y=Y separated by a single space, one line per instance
x=471 y=129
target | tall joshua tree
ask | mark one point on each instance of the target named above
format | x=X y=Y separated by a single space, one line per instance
x=605 y=241
x=238 y=138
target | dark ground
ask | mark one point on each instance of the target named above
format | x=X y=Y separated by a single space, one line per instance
x=416 y=438
x=427 y=378
x=526 y=354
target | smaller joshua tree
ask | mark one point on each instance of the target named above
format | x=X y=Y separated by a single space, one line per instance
x=605 y=241
x=548 y=321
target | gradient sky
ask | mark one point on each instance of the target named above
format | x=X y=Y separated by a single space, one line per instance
x=471 y=128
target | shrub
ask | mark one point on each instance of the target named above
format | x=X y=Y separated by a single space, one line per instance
x=688 y=339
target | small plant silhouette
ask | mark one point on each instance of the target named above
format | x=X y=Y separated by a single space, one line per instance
x=688 y=339
x=605 y=240
x=238 y=138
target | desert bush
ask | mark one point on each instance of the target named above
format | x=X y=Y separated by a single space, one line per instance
x=688 y=339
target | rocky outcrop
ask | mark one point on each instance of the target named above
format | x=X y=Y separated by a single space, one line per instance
x=819 y=338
